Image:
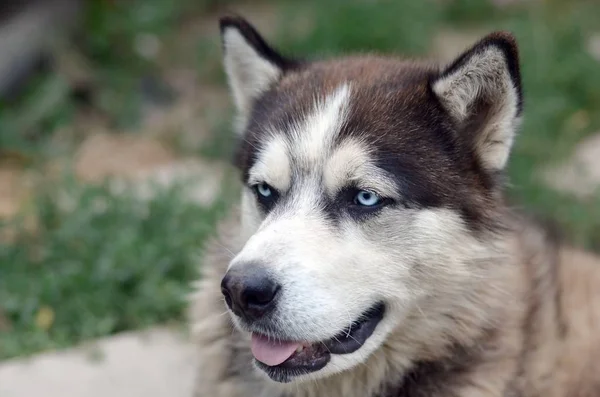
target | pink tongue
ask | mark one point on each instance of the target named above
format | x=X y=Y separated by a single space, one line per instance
x=271 y=352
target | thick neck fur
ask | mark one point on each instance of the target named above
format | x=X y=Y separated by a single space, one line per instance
x=500 y=348
x=493 y=306
x=517 y=358
x=505 y=343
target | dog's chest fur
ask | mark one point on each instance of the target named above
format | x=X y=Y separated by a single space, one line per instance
x=481 y=301
x=550 y=348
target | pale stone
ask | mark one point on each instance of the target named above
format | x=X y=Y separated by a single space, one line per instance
x=580 y=175
x=593 y=46
x=155 y=363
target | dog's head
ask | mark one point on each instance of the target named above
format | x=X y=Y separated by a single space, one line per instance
x=372 y=192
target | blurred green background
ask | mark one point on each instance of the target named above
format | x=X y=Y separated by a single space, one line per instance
x=115 y=137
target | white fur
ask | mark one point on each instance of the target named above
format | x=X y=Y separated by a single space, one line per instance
x=273 y=165
x=441 y=284
x=308 y=145
x=351 y=162
x=331 y=275
x=484 y=75
x=249 y=74
x=314 y=137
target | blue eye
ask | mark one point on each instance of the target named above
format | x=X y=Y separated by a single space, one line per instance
x=265 y=195
x=264 y=190
x=367 y=199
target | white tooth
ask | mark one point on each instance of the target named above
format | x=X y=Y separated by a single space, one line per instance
x=299 y=349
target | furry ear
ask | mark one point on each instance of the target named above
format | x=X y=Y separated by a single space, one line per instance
x=481 y=90
x=251 y=65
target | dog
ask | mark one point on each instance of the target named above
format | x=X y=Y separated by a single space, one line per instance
x=373 y=252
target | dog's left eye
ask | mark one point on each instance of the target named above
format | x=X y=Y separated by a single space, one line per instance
x=367 y=199
x=266 y=195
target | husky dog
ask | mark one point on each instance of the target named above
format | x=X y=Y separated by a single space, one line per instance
x=373 y=252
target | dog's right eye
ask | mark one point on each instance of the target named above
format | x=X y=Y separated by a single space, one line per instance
x=264 y=190
x=363 y=202
x=266 y=195
x=366 y=198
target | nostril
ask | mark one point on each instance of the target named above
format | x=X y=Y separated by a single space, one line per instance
x=225 y=290
x=261 y=297
x=227 y=296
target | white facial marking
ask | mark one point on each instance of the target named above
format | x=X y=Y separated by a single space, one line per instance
x=330 y=273
x=273 y=165
x=313 y=139
x=351 y=162
x=251 y=216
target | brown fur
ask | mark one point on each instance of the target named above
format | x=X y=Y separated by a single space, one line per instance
x=400 y=89
x=528 y=326
x=548 y=344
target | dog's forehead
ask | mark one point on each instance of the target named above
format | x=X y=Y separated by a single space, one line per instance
x=375 y=120
x=307 y=145
x=379 y=86
x=344 y=104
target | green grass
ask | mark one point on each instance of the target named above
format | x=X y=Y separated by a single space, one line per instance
x=106 y=263
x=99 y=263
x=112 y=263
x=362 y=26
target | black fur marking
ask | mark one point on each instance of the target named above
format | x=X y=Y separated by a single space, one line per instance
x=343 y=205
x=404 y=124
x=256 y=41
x=507 y=44
x=266 y=203
x=412 y=183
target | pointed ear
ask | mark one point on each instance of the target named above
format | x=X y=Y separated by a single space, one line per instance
x=251 y=65
x=481 y=90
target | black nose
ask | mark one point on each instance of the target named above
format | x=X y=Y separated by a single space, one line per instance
x=249 y=291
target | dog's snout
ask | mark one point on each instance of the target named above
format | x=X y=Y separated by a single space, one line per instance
x=249 y=292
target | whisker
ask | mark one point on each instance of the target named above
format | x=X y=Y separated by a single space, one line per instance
x=231 y=253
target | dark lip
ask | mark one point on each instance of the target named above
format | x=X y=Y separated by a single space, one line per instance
x=292 y=367
x=347 y=341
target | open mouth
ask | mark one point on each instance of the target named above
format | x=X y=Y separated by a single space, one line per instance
x=282 y=360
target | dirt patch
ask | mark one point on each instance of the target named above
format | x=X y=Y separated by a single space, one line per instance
x=5 y=324
x=449 y=43
x=16 y=187
x=202 y=180
x=143 y=163
x=105 y=155
x=13 y=190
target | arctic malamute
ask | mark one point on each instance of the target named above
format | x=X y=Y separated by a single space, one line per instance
x=373 y=252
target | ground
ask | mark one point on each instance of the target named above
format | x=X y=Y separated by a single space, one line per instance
x=113 y=167
x=154 y=363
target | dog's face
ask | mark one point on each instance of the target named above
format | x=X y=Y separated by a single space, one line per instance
x=370 y=184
